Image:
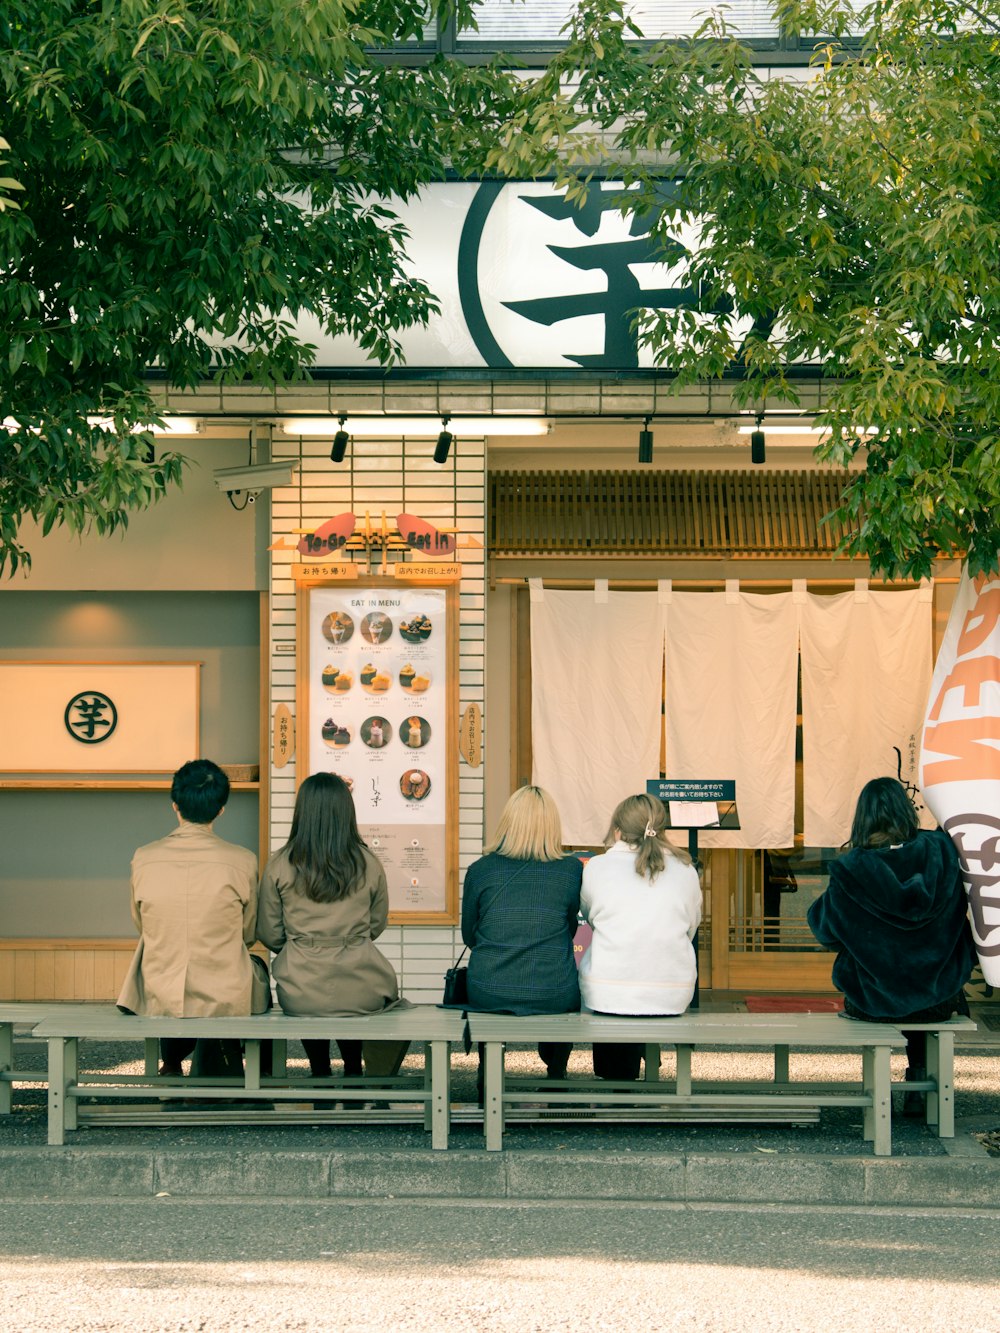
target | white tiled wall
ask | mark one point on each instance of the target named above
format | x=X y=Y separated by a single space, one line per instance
x=395 y=476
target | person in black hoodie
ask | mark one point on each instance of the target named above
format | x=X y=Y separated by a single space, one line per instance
x=895 y=913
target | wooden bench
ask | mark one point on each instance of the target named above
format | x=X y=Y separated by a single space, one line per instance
x=29 y=1013
x=779 y=1032
x=939 y=1084
x=436 y=1029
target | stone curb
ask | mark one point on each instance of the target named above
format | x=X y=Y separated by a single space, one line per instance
x=121 y=1173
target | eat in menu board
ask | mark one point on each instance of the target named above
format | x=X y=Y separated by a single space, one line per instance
x=377 y=718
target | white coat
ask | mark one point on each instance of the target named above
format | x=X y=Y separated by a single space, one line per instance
x=641 y=959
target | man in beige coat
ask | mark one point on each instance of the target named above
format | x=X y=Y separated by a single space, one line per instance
x=194 y=903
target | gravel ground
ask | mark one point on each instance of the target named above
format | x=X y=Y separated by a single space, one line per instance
x=977 y=1099
x=163 y=1267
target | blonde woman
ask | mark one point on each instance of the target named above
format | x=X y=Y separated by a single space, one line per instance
x=642 y=899
x=520 y=907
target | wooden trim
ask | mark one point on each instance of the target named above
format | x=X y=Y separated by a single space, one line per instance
x=680 y=512
x=718 y=585
x=98 y=784
x=58 y=943
x=264 y=737
x=721 y=863
x=781 y=972
x=522 y=758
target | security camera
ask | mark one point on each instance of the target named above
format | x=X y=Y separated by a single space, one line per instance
x=255 y=477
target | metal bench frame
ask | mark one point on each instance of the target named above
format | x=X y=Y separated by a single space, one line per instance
x=778 y=1098
x=437 y=1029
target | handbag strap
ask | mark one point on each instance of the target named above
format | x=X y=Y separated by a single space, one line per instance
x=506 y=885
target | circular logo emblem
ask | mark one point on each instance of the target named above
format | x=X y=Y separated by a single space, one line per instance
x=90 y=717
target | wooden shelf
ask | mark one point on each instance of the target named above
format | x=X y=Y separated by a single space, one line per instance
x=101 y=784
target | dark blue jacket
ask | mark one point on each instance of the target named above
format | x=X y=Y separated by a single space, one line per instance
x=897 y=919
x=519 y=919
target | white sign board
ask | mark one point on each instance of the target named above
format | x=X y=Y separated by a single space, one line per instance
x=98 y=717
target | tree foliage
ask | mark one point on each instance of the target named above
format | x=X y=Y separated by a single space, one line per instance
x=197 y=175
x=850 y=218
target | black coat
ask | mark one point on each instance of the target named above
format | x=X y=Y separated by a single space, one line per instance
x=897 y=919
x=519 y=919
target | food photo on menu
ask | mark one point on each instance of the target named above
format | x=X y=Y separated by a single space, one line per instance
x=374 y=681
x=413 y=681
x=415 y=630
x=415 y=732
x=336 y=681
x=335 y=735
x=376 y=627
x=414 y=784
x=338 y=627
x=376 y=732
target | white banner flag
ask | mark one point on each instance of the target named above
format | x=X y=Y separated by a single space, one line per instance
x=960 y=758
x=730 y=692
x=866 y=668
x=596 y=674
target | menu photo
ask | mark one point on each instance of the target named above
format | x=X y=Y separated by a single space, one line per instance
x=377 y=683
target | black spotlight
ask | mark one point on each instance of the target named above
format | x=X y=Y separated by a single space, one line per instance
x=443 y=446
x=757 y=443
x=646 y=443
x=340 y=443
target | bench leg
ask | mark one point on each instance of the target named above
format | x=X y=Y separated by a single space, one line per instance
x=941 y=1068
x=877 y=1079
x=684 y=1070
x=440 y=1060
x=6 y=1066
x=781 y=1064
x=651 y=1060
x=63 y=1068
x=428 y=1086
x=279 y=1058
x=493 y=1095
x=251 y=1057
x=151 y=1047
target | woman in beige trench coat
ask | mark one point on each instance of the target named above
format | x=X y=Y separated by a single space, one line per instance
x=322 y=901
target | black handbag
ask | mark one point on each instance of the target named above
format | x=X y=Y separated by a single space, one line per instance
x=456 y=983
x=456 y=979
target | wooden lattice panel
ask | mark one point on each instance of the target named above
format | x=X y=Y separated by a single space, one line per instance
x=665 y=513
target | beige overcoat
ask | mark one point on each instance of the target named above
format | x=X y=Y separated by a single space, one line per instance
x=194 y=903
x=326 y=962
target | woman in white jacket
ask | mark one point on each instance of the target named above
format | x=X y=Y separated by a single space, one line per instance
x=642 y=899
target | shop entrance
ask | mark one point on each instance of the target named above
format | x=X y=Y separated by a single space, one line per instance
x=755 y=935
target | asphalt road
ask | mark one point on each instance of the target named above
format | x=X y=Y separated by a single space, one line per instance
x=164 y=1265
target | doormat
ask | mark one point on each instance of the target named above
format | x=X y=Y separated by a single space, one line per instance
x=794 y=1004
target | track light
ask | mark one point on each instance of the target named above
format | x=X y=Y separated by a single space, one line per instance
x=757 y=441
x=443 y=446
x=340 y=442
x=646 y=443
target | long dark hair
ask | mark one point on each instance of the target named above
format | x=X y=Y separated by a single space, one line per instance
x=884 y=815
x=324 y=846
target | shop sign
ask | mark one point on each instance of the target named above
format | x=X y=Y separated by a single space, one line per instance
x=470 y=736
x=415 y=572
x=283 y=746
x=431 y=542
x=346 y=572
x=91 y=717
x=525 y=277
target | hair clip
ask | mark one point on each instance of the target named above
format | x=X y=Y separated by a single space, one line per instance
x=650 y=832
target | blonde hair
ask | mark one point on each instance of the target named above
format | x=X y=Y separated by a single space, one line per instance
x=642 y=822
x=530 y=828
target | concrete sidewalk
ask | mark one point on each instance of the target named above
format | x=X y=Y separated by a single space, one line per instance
x=545 y=1158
